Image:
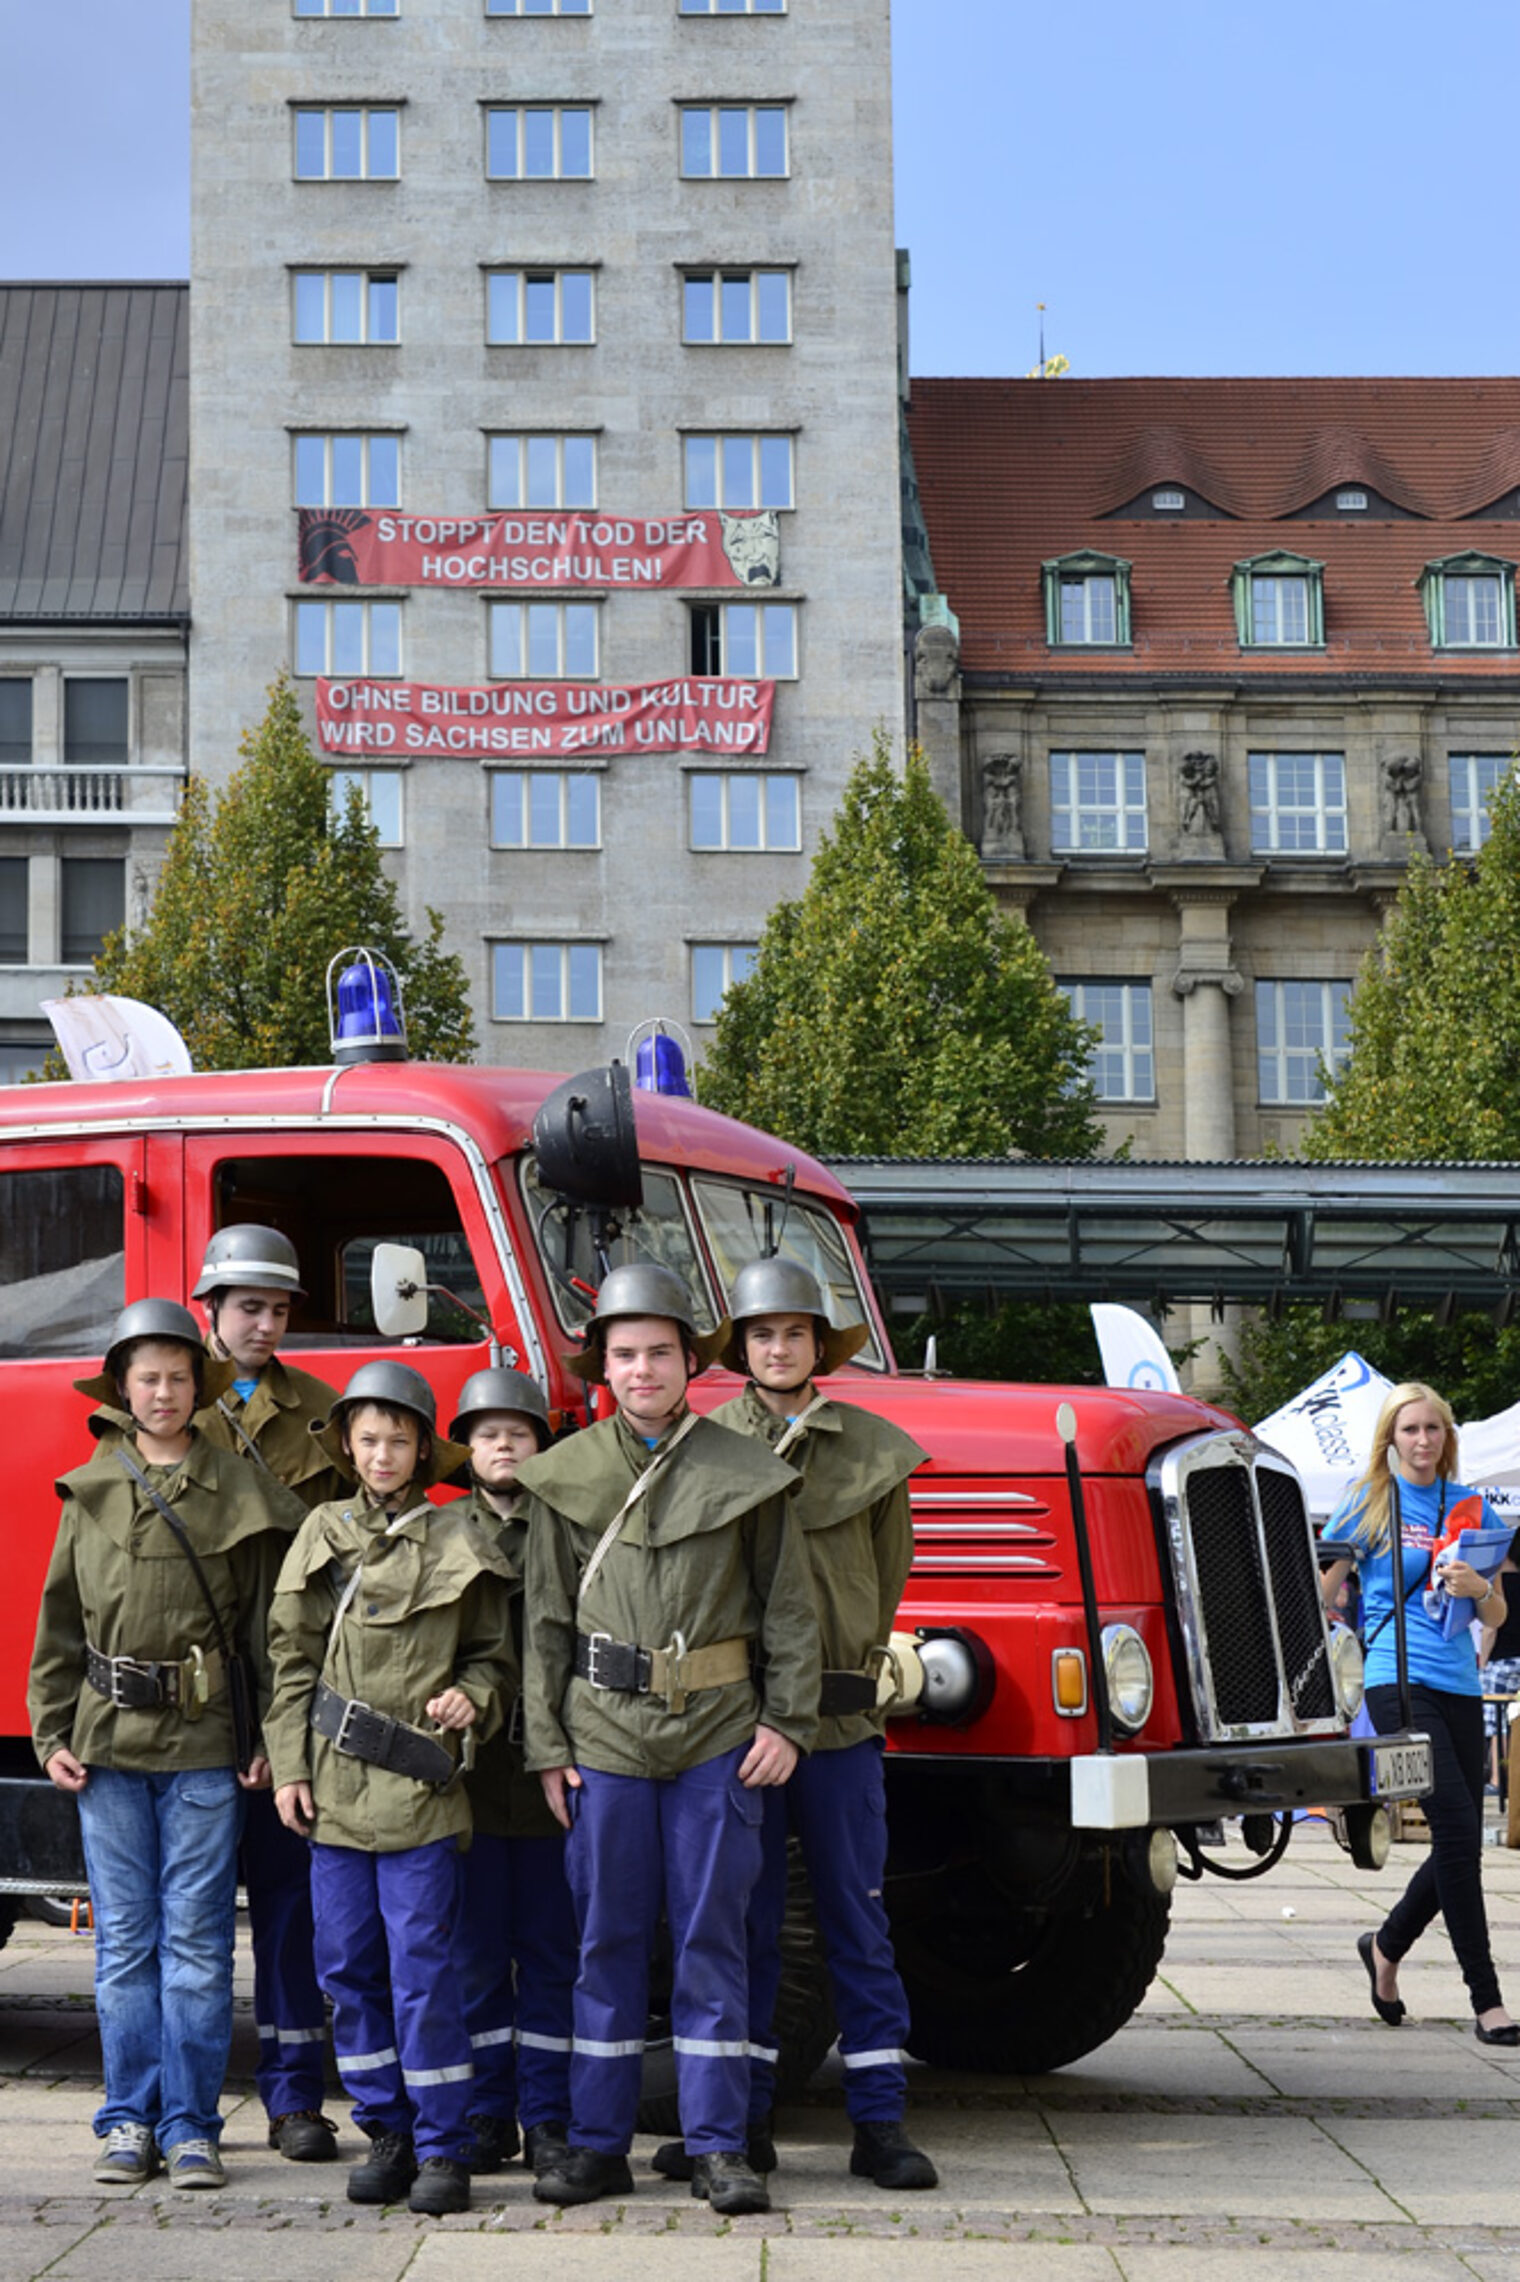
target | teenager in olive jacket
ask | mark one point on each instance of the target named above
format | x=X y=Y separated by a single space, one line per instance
x=130 y=1703
x=662 y=1557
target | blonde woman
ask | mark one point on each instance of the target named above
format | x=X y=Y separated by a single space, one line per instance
x=1416 y=1442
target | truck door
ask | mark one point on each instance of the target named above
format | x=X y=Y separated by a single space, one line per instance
x=73 y=1216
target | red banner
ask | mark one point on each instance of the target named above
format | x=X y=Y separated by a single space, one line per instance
x=552 y=718
x=355 y=546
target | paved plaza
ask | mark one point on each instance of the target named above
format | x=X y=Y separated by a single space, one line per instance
x=1254 y=2108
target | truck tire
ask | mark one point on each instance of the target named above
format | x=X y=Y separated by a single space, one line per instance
x=805 y=2026
x=1036 y=1989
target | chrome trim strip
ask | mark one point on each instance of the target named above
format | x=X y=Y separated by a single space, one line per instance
x=993 y=1529
x=977 y=1498
x=978 y=1564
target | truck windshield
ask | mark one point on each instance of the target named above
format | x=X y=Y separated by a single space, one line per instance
x=742 y=1223
x=566 y=1234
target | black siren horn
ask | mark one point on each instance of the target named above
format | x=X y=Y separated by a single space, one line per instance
x=586 y=1143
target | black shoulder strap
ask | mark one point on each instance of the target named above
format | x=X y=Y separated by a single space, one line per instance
x=183 y=1537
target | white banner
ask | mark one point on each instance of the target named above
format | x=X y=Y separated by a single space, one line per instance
x=103 y=1038
x=1327 y=1430
x=1132 y=1350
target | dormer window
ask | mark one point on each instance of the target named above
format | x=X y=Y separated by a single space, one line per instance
x=1086 y=601
x=1169 y=502
x=1279 y=602
x=1351 y=502
x=1469 y=602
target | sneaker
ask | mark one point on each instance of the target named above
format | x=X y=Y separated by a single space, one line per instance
x=194 y=2163
x=544 y=2146
x=726 y=2181
x=440 y=2186
x=885 y=2153
x=671 y=2160
x=386 y=2172
x=128 y=2157
x=304 y=2136
x=496 y=2142
x=581 y=2175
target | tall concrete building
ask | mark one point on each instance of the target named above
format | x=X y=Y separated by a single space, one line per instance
x=586 y=264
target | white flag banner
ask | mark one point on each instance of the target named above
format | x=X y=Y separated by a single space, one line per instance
x=1490 y=1452
x=1327 y=1430
x=104 y=1038
x=1132 y=1350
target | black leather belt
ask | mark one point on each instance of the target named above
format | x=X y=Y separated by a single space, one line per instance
x=844 y=1692
x=609 y=1663
x=672 y=1673
x=364 y=1733
x=132 y=1683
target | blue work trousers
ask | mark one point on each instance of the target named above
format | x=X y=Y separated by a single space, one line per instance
x=287 y=2000
x=516 y=1957
x=836 y=1803
x=691 y=1841
x=161 y=1853
x=386 y=1928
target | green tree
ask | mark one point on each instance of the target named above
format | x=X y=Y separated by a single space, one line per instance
x=261 y=885
x=894 y=1010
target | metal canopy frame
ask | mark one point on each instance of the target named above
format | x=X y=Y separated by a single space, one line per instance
x=1264 y=1234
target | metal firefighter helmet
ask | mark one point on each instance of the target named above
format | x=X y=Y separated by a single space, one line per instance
x=162 y=1319
x=777 y=1286
x=501 y=1389
x=643 y=1287
x=393 y=1386
x=258 y=1259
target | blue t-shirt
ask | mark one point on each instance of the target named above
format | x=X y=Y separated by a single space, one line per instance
x=1450 y=1665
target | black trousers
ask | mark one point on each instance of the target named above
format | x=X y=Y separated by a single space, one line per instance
x=1450 y=1879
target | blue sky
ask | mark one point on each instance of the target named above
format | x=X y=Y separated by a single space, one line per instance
x=1190 y=187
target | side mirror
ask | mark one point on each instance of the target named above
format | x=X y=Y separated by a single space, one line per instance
x=398 y=1291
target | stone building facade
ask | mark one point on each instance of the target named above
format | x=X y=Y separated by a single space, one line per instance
x=1217 y=656
x=629 y=255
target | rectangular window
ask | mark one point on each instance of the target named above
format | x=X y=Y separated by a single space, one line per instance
x=348 y=471
x=544 y=641
x=538 y=7
x=348 y=7
x=735 y=305
x=546 y=982
x=92 y=903
x=538 y=142
x=748 y=639
x=1474 y=613
x=13 y=897
x=545 y=808
x=15 y=722
x=1475 y=778
x=1298 y=804
x=714 y=966
x=733 y=139
x=380 y=792
x=1097 y=802
x=62 y=1255
x=735 y=811
x=95 y=724
x=1088 y=609
x=340 y=305
x=540 y=471
x=1123 y=1063
x=738 y=471
x=1280 y=610
x=348 y=637
x=525 y=307
x=343 y=142
x=1299 y=1026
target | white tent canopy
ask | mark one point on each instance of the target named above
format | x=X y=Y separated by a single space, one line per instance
x=1327 y=1433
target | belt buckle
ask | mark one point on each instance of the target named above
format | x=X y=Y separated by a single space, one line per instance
x=595 y=1642
x=125 y=1667
x=352 y=1710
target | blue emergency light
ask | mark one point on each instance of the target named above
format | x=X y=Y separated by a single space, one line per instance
x=365 y=1017
x=659 y=1065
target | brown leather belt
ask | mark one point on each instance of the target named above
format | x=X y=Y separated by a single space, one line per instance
x=674 y=1672
x=133 y=1683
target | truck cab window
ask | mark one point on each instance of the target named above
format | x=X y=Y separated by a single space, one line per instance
x=661 y=1232
x=742 y=1223
x=62 y=1260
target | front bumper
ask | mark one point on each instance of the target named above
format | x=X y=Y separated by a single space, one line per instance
x=1133 y=1791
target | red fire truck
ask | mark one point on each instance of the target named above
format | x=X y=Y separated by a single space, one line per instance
x=1112 y=1643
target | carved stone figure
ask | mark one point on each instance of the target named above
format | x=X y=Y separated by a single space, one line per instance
x=1002 y=805
x=1402 y=778
x=142 y=899
x=1200 y=792
x=936 y=665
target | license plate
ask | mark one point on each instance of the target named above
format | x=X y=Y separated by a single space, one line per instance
x=1400 y=1770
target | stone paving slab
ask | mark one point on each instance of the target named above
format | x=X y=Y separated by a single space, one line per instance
x=1437 y=2178
x=1224 y=2166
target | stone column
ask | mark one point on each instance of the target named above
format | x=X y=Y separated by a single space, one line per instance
x=1206 y=980
x=937 y=711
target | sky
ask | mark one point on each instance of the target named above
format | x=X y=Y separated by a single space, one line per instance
x=1189 y=186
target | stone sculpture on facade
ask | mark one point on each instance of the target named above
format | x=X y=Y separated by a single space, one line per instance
x=937 y=666
x=1002 y=805
x=1402 y=779
x=1200 y=793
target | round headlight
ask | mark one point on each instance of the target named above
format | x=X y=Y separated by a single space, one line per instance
x=1131 y=1684
x=1346 y=1663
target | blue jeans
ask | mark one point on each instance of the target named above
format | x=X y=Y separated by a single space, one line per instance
x=161 y=1852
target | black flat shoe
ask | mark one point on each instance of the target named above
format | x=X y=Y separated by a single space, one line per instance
x=1389 y=2009
x=1508 y=2036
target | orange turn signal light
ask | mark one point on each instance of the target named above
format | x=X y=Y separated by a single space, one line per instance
x=1068 y=1681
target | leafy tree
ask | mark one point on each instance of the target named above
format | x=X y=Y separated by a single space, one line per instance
x=1473 y=1366
x=261 y=885
x=893 y=1009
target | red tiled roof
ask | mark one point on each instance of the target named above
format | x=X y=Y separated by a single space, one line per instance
x=1014 y=472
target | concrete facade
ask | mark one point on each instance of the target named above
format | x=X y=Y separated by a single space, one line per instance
x=643 y=896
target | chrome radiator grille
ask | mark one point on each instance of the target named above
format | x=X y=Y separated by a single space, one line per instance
x=1247 y=1589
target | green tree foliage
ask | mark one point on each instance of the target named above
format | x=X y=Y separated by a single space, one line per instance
x=893 y=1009
x=1476 y=1368
x=260 y=887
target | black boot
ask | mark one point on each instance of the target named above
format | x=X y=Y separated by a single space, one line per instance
x=545 y=2146
x=303 y=2135
x=496 y=2142
x=885 y=2153
x=726 y=2181
x=441 y=2186
x=386 y=2172
x=671 y=2160
x=581 y=2175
